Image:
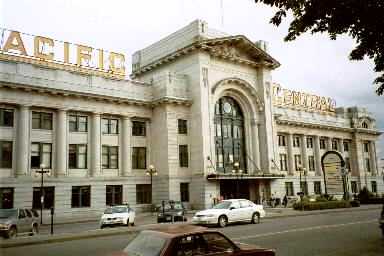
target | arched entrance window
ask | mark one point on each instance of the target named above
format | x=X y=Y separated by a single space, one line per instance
x=229 y=135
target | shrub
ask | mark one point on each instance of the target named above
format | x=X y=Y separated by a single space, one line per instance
x=355 y=203
x=310 y=206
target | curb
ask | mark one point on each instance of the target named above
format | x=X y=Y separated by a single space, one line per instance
x=46 y=239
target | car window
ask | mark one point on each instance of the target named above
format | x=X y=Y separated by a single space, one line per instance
x=119 y=209
x=236 y=205
x=35 y=213
x=21 y=214
x=244 y=204
x=217 y=243
x=146 y=244
x=29 y=214
x=191 y=245
x=222 y=205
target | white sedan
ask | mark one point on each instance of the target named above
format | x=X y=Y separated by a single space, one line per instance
x=229 y=211
x=118 y=215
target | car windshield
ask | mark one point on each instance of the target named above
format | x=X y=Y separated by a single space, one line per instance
x=6 y=213
x=115 y=209
x=145 y=244
x=222 y=205
x=172 y=206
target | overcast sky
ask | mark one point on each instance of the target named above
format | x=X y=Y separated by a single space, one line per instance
x=312 y=64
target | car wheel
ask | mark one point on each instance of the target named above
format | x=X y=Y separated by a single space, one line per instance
x=222 y=222
x=255 y=218
x=12 y=232
x=127 y=223
x=35 y=230
x=133 y=224
x=102 y=226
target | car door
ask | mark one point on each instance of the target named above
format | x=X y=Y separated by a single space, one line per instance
x=246 y=209
x=22 y=223
x=234 y=213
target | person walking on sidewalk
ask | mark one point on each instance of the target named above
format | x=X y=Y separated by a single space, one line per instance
x=285 y=201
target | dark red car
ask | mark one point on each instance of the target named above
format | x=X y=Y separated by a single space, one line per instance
x=187 y=240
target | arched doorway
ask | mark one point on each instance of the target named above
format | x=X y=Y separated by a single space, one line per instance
x=229 y=135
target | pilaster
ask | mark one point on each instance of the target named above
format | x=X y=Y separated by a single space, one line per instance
x=95 y=145
x=61 y=143
x=291 y=168
x=126 y=147
x=23 y=141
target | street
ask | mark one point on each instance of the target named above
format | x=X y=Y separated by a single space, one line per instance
x=336 y=233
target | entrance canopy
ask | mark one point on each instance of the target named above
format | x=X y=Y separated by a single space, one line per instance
x=244 y=176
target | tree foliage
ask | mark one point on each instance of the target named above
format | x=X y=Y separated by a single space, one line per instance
x=363 y=20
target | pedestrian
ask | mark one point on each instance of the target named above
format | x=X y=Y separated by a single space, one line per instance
x=285 y=201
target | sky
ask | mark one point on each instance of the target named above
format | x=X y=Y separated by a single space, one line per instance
x=312 y=63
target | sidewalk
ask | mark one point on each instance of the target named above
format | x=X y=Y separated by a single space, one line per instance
x=84 y=230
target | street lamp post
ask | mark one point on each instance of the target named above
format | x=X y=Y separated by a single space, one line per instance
x=238 y=172
x=42 y=172
x=150 y=172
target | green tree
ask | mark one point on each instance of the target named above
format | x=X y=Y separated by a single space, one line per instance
x=361 y=19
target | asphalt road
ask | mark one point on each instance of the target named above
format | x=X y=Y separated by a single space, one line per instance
x=346 y=234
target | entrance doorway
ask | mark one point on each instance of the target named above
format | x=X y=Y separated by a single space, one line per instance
x=230 y=189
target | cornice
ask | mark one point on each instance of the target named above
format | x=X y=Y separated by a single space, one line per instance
x=327 y=127
x=207 y=45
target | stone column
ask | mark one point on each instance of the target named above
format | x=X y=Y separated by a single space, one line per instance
x=372 y=156
x=328 y=143
x=256 y=145
x=23 y=141
x=95 y=145
x=340 y=146
x=304 y=152
x=317 y=155
x=291 y=168
x=126 y=147
x=61 y=143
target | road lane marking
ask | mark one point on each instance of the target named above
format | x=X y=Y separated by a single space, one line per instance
x=303 y=229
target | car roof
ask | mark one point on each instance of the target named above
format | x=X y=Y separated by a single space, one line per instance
x=234 y=200
x=171 y=231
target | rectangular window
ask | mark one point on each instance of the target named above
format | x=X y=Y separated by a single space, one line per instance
x=281 y=140
x=374 y=186
x=366 y=147
x=182 y=126
x=77 y=156
x=41 y=120
x=334 y=144
x=110 y=157
x=283 y=162
x=5 y=154
x=184 y=192
x=322 y=143
x=367 y=165
x=139 y=158
x=6 y=198
x=6 y=117
x=354 y=187
x=110 y=126
x=311 y=163
x=346 y=146
x=41 y=153
x=143 y=194
x=49 y=197
x=81 y=196
x=317 y=187
x=289 y=188
x=183 y=155
x=297 y=162
x=309 y=142
x=78 y=123
x=296 y=141
x=114 y=195
x=138 y=128
x=304 y=187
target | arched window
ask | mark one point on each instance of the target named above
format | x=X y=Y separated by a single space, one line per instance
x=364 y=125
x=229 y=135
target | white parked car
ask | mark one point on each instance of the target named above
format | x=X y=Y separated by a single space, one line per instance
x=229 y=211
x=118 y=215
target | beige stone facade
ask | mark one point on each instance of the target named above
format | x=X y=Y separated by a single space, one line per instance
x=190 y=77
